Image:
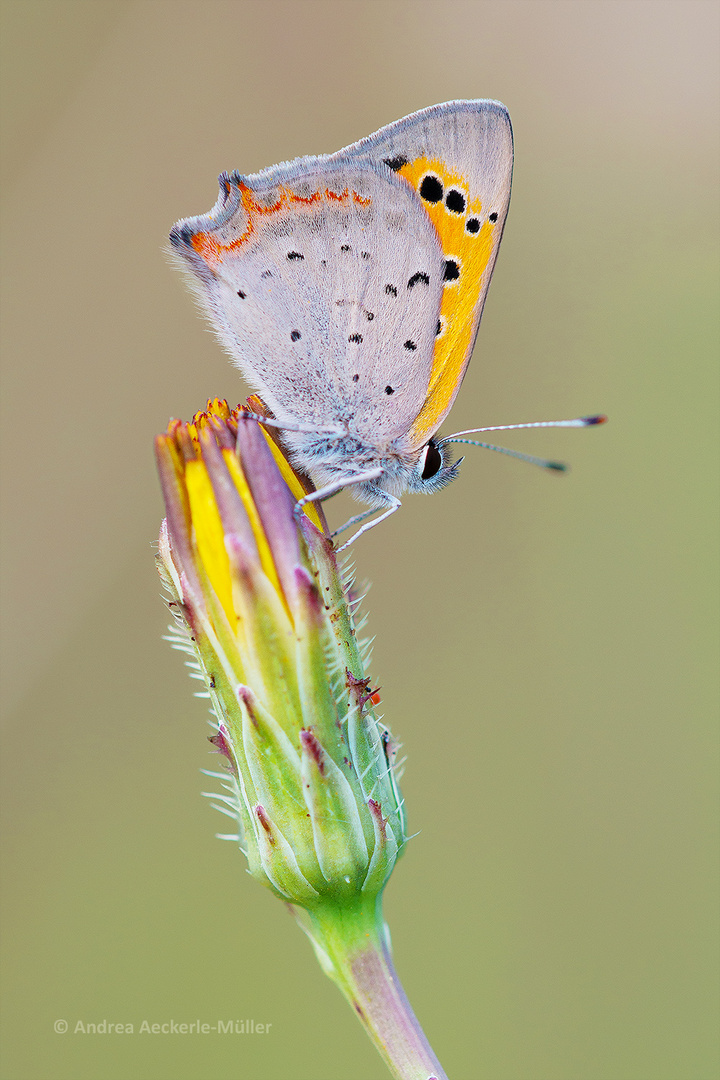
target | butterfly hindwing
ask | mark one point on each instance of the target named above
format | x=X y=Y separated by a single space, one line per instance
x=458 y=159
x=323 y=278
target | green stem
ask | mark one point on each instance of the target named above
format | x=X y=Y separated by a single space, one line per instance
x=352 y=947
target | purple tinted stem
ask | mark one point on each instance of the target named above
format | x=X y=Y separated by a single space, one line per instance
x=353 y=939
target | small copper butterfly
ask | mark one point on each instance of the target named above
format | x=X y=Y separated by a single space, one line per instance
x=348 y=289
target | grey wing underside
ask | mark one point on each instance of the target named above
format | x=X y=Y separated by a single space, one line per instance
x=473 y=141
x=473 y=138
x=328 y=303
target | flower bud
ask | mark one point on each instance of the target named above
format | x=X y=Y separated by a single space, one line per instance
x=258 y=601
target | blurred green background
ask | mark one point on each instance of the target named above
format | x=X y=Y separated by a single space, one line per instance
x=546 y=645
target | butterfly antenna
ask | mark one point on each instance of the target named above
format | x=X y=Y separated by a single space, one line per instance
x=544 y=463
x=580 y=421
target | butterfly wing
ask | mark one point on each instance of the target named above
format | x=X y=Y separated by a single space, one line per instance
x=324 y=280
x=458 y=158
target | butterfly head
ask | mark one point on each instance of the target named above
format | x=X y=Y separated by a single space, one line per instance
x=327 y=458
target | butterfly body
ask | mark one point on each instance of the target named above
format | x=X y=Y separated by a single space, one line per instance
x=348 y=289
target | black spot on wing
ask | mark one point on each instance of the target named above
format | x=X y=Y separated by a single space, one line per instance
x=396 y=163
x=293 y=255
x=390 y=290
x=455 y=201
x=419 y=278
x=410 y=345
x=355 y=338
x=472 y=226
x=492 y=217
x=431 y=189
x=452 y=270
x=295 y=335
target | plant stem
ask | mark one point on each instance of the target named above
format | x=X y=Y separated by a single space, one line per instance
x=351 y=944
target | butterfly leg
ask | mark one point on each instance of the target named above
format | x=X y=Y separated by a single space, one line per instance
x=395 y=504
x=333 y=432
x=354 y=521
x=336 y=486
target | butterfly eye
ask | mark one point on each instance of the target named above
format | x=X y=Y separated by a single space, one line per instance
x=431 y=462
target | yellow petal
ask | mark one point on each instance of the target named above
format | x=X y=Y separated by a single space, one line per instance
x=209 y=536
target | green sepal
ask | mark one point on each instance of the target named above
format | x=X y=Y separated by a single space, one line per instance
x=384 y=854
x=266 y=640
x=337 y=826
x=275 y=769
x=320 y=711
x=279 y=867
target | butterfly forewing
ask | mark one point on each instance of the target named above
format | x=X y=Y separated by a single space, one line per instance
x=458 y=159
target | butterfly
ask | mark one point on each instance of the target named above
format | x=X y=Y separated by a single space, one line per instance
x=348 y=290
